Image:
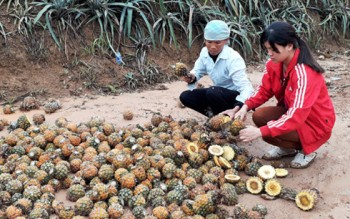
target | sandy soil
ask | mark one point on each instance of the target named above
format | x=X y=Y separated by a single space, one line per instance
x=329 y=173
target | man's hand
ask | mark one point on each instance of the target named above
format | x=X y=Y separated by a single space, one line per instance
x=250 y=133
x=189 y=78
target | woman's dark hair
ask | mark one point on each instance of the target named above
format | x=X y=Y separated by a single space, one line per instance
x=282 y=33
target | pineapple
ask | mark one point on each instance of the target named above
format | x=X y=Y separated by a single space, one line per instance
x=29 y=103
x=115 y=211
x=154 y=193
x=141 y=189
x=38 y=213
x=106 y=172
x=156 y=119
x=159 y=201
x=181 y=69
x=216 y=122
x=52 y=106
x=261 y=209
x=273 y=187
x=38 y=119
x=137 y=200
x=229 y=194
x=254 y=185
x=306 y=199
x=8 y=109
x=61 y=171
x=32 y=193
x=236 y=126
x=128 y=180
x=66 y=213
x=168 y=170
x=139 y=173
x=24 y=204
x=195 y=160
x=160 y=212
x=13 y=212
x=101 y=192
x=75 y=192
x=251 y=169
x=266 y=172
x=196 y=174
x=98 y=213
x=139 y=212
x=203 y=205
x=174 y=196
x=241 y=187
x=125 y=195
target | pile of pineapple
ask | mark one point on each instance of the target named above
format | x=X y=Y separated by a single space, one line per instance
x=162 y=169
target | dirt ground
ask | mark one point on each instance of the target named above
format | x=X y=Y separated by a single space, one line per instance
x=329 y=174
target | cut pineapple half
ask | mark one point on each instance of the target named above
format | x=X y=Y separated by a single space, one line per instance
x=281 y=172
x=216 y=161
x=229 y=153
x=216 y=150
x=306 y=199
x=224 y=163
x=232 y=178
x=192 y=148
x=273 y=187
x=254 y=185
x=267 y=172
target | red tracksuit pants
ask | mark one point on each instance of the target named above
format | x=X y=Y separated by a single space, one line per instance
x=263 y=115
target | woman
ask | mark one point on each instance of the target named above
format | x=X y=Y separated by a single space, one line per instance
x=225 y=67
x=304 y=116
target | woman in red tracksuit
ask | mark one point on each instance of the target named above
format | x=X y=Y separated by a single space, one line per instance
x=304 y=116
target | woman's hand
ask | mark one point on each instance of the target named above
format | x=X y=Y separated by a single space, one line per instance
x=231 y=112
x=250 y=133
x=241 y=114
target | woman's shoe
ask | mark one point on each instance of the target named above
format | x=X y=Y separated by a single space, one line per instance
x=276 y=153
x=301 y=160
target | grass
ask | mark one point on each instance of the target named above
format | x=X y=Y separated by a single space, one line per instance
x=152 y=23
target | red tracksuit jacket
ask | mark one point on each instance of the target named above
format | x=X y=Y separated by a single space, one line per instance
x=310 y=109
